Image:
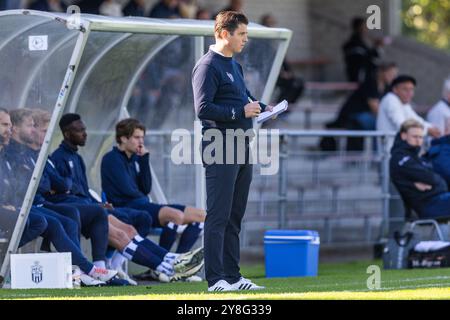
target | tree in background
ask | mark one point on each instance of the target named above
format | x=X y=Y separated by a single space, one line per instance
x=428 y=21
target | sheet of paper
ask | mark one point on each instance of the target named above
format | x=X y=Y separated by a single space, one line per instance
x=266 y=115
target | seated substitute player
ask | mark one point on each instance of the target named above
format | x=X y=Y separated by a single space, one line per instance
x=127 y=181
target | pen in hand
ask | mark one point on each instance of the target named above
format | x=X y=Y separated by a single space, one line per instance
x=253 y=109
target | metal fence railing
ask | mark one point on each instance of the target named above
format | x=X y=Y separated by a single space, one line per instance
x=332 y=190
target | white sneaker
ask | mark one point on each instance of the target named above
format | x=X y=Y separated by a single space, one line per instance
x=103 y=274
x=87 y=281
x=246 y=284
x=221 y=286
x=76 y=277
x=189 y=263
x=188 y=259
x=123 y=275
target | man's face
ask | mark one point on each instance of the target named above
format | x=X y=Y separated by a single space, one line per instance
x=237 y=40
x=76 y=133
x=414 y=137
x=133 y=143
x=405 y=91
x=25 y=132
x=5 y=128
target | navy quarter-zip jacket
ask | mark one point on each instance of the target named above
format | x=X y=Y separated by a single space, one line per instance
x=220 y=94
x=125 y=179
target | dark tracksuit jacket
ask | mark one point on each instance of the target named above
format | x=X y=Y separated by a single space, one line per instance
x=406 y=168
x=125 y=179
x=70 y=164
x=220 y=96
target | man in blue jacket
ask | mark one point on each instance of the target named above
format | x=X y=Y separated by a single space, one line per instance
x=223 y=102
x=127 y=181
x=439 y=155
x=422 y=189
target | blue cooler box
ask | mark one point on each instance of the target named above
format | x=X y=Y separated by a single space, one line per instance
x=291 y=253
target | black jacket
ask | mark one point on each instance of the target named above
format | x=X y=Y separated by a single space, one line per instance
x=407 y=168
x=360 y=60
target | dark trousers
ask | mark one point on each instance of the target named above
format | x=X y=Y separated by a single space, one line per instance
x=139 y=219
x=63 y=234
x=227 y=188
x=34 y=227
x=94 y=226
x=437 y=207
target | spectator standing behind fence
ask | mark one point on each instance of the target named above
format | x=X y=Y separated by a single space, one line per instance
x=359 y=56
x=421 y=188
x=395 y=108
x=441 y=110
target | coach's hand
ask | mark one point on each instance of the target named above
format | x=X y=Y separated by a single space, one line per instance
x=252 y=110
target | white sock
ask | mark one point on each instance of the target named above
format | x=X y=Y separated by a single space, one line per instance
x=171 y=257
x=117 y=261
x=108 y=263
x=100 y=264
x=165 y=268
x=129 y=250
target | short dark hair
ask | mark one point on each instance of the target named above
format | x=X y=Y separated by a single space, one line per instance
x=126 y=127
x=67 y=119
x=229 y=20
x=4 y=110
x=402 y=79
x=357 y=22
x=18 y=115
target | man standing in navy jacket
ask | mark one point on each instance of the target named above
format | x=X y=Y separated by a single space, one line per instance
x=221 y=101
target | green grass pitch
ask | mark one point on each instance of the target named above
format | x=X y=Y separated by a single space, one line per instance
x=345 y=281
